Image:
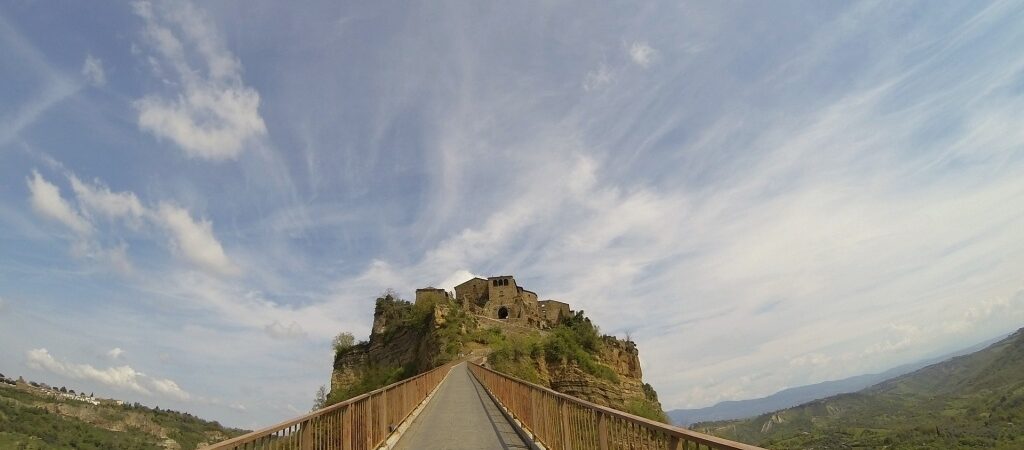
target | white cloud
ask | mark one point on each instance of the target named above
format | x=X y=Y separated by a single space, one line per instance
x=215 y=115
x=115 y=353
x=92 y=70
x=98 y=199
x=47 y=201
x=117 y=258
x=169 y=388
x=458 y=277
x=121 y=377
x=281 y=331
x=642 y=54
x=195 y=240
x=598 y=78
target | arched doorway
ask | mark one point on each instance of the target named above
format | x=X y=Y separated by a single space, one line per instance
x=503 y=313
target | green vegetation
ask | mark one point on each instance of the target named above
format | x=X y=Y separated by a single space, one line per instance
x=973 y=401
x=375 y=377
x=515 y=355
x=648 y=407
x=343 y=341
x=402 y=319
x=411 y=338
x=577 y=340
x=28 y=421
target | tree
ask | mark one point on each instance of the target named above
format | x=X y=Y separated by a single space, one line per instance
x=343 y=341
x=320 y=400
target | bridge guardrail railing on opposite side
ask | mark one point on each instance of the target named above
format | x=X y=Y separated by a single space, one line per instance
x=564 y=422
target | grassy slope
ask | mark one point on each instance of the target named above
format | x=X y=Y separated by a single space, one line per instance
x=28 y=421
x=972 y=401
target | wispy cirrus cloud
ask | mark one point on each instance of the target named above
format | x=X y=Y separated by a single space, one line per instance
x=193 y=239
x=642 y=54
x=215 y=114
x=46 y=200
x=758 y=209
x=92 y=70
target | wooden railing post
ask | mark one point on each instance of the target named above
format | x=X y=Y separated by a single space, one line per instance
x=674 y=443
x=602 y=431
x=306 y=435
x=563 y=409
x=346 y=430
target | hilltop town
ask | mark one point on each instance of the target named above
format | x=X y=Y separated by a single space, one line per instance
x=57 y=392
x=504 y=324
x=36 y=415
x=501 y=298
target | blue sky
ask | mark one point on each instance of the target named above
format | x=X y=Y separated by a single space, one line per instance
x=195 y=197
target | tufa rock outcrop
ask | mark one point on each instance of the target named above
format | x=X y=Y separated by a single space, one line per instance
x=543 y=342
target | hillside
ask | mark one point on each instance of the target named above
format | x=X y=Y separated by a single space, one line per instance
x=32 y=418
x=568 y=354
x=971 y=401
x=786 y=398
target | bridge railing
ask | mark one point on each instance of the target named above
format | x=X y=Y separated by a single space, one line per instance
x=564 y=422
x=359 y=423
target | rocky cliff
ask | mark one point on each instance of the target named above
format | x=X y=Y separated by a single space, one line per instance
x=626 y=391
x=405 y=340
x=573 y=357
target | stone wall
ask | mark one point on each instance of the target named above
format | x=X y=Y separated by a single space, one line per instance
x=501 y=291
x=433 y=295
x=553 y=311
x=472 y=292
x=502 y=298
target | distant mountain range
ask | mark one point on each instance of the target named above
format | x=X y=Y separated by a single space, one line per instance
x=970 y=401
x=739 y=409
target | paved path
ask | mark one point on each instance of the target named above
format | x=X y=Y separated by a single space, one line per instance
x=460 y=416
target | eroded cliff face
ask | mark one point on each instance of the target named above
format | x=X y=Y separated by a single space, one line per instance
x=403 y=342
x=626 y=392
x=623 y=393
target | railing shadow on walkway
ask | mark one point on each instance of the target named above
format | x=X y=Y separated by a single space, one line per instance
x=484 y=398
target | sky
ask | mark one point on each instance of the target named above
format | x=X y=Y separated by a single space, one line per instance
x=195 y=197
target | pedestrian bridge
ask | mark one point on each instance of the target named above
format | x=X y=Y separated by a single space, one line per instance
x=468 y=406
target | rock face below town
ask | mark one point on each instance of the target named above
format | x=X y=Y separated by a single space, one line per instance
x=401 y=345
x=620 y=356
x=568 y=356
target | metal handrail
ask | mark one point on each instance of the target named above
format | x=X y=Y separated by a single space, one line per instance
x=359 y=423
x=564 y=422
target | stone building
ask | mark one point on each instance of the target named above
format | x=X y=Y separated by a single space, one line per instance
x=503 y=299
x=553 y=311
x=432 y=294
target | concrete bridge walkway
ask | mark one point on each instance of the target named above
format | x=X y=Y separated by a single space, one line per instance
x=460 y=416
